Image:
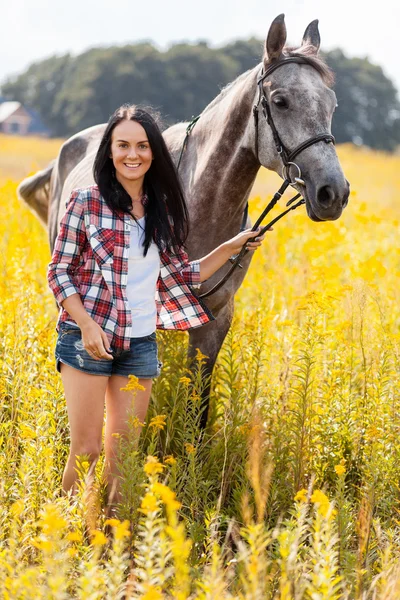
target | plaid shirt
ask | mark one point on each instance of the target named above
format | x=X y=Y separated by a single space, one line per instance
x=90 y=258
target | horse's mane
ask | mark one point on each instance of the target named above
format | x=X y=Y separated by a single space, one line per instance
x=224 y=90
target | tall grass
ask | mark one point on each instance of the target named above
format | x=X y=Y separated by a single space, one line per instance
x=293 y=491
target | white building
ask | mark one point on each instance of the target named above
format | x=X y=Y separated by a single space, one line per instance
x=14 y=118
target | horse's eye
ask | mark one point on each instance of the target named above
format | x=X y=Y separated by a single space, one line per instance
x=281 y=103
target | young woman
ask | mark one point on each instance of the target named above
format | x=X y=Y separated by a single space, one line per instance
x=118 y=271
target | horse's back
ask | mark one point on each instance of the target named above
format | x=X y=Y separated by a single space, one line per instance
x=75 y=148
x=174 y=137
x=72 y=169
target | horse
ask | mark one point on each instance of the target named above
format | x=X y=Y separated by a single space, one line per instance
x=227 y=146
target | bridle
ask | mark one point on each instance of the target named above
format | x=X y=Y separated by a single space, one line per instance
x=287 y=157
x=285 y=154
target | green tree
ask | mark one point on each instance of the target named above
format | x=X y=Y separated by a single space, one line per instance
x=368 y=108
x=38 y=88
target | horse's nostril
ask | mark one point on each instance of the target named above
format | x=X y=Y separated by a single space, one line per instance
x=326 y=196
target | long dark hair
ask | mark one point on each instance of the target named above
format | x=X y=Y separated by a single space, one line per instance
x=161 y=183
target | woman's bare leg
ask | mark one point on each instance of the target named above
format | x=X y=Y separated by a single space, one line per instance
x=85 y=396
x=119 y=405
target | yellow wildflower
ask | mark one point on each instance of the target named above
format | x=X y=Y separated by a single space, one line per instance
x=166 y=495
x=149 y=504
x=319 y=497
x=133 y=385
x=195 y=397
x=112 y=522
x=98 y=539
x=122 y=530
x=184 y=380
x=158 y=422
x=84 y=464
x=74 y=536
x=43 y=544
x=52 y=520
x=301 y=496
x=170 y=460
x=340 y=470
x=152 y=593
x=322 y=502
x=152 y=467
x=199 y=355
x=135 y=422
x=190 y=449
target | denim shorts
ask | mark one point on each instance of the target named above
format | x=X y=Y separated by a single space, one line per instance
x=140 y=360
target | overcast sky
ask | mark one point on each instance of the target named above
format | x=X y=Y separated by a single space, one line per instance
x=32 y=30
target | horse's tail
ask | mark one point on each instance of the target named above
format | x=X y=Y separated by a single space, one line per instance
x=34 y=191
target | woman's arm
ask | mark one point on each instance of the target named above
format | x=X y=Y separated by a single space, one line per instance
x=68 y=248
x=197 y=271
x=210 y=263
x=67 y=251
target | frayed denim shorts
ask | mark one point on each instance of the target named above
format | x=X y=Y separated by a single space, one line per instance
x=140 y=360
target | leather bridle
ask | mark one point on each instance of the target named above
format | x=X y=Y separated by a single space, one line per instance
x=287 y=157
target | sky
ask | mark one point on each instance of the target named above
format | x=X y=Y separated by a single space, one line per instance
x=33 y=30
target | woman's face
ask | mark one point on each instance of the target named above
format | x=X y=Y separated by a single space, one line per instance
x=130 y=151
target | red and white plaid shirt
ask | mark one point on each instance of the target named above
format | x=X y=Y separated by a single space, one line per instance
x=90 y=258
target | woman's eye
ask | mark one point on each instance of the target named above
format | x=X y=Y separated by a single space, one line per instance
x=143 y=146
x=281 y=102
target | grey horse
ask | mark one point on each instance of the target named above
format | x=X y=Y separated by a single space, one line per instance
x=221 y=161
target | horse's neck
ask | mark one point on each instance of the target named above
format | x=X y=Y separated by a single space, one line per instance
x=222 y=154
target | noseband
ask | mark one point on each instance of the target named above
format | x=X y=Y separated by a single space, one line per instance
x=286 y=156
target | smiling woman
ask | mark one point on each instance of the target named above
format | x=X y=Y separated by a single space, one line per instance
x=119 y=270
x=131 y=155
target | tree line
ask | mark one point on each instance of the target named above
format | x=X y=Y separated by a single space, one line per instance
x=71 y=93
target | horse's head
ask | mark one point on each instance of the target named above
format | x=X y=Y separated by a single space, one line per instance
x=298 y=102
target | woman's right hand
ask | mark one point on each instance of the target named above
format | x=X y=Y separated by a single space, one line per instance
x=95 y=341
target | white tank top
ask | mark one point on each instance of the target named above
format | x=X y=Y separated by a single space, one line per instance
x=143 y=272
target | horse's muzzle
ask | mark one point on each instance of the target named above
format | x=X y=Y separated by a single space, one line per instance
x=327 y=202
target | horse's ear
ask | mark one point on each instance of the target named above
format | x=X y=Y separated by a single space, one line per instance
x=275 y=41
x=311 y=36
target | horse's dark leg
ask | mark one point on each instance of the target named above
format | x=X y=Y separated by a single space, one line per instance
x=209 y=339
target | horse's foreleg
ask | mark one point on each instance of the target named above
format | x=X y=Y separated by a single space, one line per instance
x=209 y=340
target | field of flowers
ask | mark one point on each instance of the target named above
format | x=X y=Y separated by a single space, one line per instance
x=292 y=493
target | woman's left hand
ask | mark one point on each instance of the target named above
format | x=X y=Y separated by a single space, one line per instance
x=236 y=243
